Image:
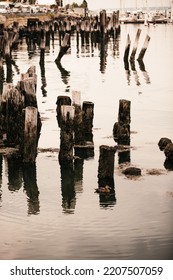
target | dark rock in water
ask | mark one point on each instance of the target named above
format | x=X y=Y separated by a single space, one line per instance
x=132 y=171
x=115 y=131
x=163 y=142
x=168 y=164
x=169 y=151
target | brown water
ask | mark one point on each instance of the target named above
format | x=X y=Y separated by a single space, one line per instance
x=39 y=217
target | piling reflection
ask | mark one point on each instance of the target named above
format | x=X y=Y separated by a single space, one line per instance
x=67 y=187
x=103 y=46
x=78 y=174
x=31 y=188
x=145 y=74
x=0 y=179
x=65 y=75
x=135 y=73
x=123 y=157
x=14 y=174
x=127 y=69
x=42 y=71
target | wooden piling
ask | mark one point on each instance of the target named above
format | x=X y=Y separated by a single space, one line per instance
x=127 y=48
x=78 y=122
x=88 y=115
x=103 y=20
x=66 y=134
x=61 y=100
x=30 y=135
x=64 y=47
x=121 y=129
x=135 y=45
x=106 y=166
x=144 y=48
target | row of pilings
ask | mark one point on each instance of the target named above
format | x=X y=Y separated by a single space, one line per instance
x=20 y=122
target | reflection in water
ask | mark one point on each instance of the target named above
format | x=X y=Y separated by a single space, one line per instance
x=67 y=187
x=42 y=71
x=133 y=68
x=64 y=75
x=103 y=55
x=107 y=199
x=0 y=178
x=142 y=68
x=168 y=164
x=78 y=174
x=14 y=174
x=123 y=157
x=31 y=188
x=128 y=75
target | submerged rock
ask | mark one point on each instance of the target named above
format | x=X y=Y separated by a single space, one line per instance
x=132 y=171
x=169 y=152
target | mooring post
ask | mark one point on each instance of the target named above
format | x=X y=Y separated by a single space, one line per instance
x=132 y=57
x=127 y=49
x=78 y=123
x=64 y=47
x=144 y=48
x=30 y=135
x=61 y=100
x=15 y=105
x=66 y=134
x=121 y=129
x=88 y=115
x=106 y=166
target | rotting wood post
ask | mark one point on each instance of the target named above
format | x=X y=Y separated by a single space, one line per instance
x=144 y=48
x=28 y=86
x=15 y=105
x=127 y=48
x=87 y=116
x=64 y=47
x=78 y=123
x=66 y=134
x=121 y=129
x=132 y=56
x=106 y=166
x=3 y=109
x=29 y=152
x=61 y=100
x=1 y=75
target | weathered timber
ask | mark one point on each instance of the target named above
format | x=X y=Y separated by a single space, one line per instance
x=106 y=166
x=29 y=152
x=127 y=48
x=135 y=45
x=88 y=115
x=78 y=122
x=66 y=134
x=64 y=47
x=144 y=48
x=121 y=129
x=61 y=100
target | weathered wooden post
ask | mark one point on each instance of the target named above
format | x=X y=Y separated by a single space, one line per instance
x=61 y=100
x=64 y=47
x=14 y=107
x=66 y=134
x=121 y=129
x=29 y=149
x=106 y=167
x=132 y=56
x=144 y=48
x=78 y=123
x=42 y=62
x=88 y=115
x=1 y=75
x=127 y=48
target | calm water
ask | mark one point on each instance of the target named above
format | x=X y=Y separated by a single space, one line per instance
x=39 y=217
